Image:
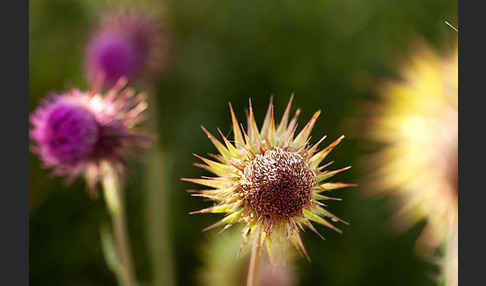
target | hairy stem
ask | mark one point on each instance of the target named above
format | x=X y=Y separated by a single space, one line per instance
x=254 y=261
x=115 y=202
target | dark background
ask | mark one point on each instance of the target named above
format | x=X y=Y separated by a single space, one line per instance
x=329 y=53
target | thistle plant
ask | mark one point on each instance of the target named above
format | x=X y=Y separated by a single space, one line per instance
x=127 y=43
x=90 y=134
x=418 y=122
x=271 y=181
x=131 y=42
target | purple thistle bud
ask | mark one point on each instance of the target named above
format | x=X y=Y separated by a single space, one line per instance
x=112 y=56
x=127 y=43
x=75 y=131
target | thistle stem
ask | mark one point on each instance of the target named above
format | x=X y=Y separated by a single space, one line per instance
x=115 y=202
x=157 y=204
x=254 y=261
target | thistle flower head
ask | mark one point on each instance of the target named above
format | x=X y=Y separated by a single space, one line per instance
x=127 y=43
x=75 y=131
x=418 y=123
x=112 y=56
x=270 y=180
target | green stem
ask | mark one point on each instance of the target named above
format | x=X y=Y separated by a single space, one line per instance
x=115 y=202
x=158 y=217
x=157 y=186
x=254 y=261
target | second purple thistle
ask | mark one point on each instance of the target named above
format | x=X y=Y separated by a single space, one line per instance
x=127 y=44
x=111 y=56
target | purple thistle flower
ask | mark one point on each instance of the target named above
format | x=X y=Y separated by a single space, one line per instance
x=112 y=56
x=75 y=131
x=127 y=43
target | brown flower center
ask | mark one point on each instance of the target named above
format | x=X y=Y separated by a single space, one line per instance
x=277 y=184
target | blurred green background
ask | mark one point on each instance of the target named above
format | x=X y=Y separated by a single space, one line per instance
x=330 y=53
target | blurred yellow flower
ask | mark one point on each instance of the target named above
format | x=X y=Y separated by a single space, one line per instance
x=417 y=121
